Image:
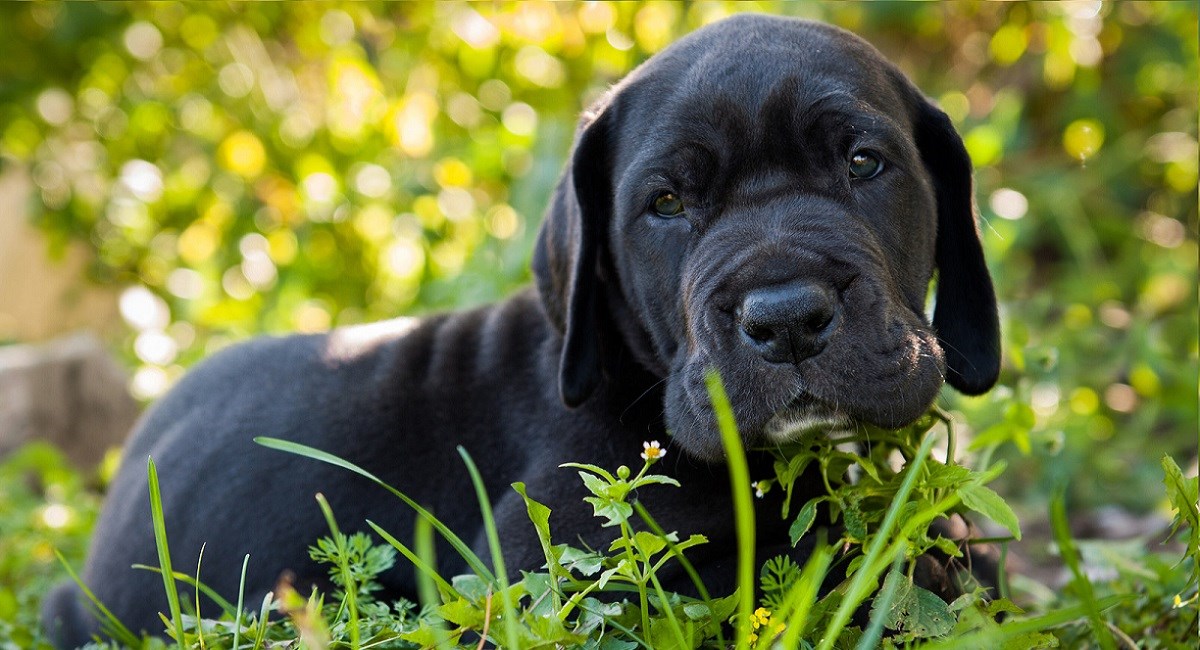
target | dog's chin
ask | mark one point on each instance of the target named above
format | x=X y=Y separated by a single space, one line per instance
x=803 y=417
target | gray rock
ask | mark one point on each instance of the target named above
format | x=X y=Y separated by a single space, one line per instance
x=69 y=392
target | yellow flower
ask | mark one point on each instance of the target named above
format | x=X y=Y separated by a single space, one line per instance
x=752 y=638
x=652 y=451
x=762 y=616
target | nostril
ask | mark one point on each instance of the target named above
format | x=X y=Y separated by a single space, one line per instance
x=759 y=333
x=818 y=320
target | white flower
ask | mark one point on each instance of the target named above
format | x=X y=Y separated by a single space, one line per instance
x=652 y=451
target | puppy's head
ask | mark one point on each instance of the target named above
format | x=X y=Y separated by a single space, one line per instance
x=770 y=198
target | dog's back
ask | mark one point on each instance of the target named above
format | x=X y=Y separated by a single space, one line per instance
x=383 y=396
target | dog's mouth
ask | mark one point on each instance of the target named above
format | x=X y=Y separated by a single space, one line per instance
x=804 y=415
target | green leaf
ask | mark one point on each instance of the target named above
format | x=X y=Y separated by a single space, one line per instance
x=462 y=613
x=431 y=635
x=622 y=568
x=948 y=547
x=655 y=479
x=573 y=559
x=548 y=630
x=852 y=517
x=664 y=634
x=542 y=589
x=649 y=544
x=986 y=502
x=804 y=520
x=868 y=467
x=471 y=587
x=947 y=476
x=932 y=616
x=592 y=469
x=595 y=613
x=697 y=611
x=1183 y=493
x=615 y=512
x=723 y=608
x=788 y=472
x=539 y=514
x=914 y=610
x=596 y=485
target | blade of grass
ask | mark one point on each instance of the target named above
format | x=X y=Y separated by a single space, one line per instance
x=225 y=606
x=803 y=595
x=116 y=629
x=237 y=617
x=1002 y=578
x=164 y=552
x=426 y=555
x=1066 y=549
x=461 y=547
x=874 y=631
x=868 y=572
x=348 y=585
x=199 y=629
x=743 y=507
x=428 y=581
x=493 y=538
x=425 y=569
x=261 y=634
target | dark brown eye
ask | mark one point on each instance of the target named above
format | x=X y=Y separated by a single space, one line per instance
x=668 y=205
x=865 y=164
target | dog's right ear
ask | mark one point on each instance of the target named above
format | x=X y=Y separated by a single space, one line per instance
x=567 y=254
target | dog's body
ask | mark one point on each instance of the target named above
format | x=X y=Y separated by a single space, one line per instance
x=723 y=209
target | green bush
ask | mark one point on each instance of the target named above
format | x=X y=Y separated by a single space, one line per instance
x=276 y=167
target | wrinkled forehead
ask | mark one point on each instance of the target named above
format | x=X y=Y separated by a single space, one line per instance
x=765 y=72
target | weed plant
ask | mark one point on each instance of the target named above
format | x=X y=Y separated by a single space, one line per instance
x=612 y=599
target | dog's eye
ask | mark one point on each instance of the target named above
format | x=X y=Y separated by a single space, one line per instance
x=865 y=164
x=668 y=204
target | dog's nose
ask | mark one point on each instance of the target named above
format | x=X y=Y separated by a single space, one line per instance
x=788 y=322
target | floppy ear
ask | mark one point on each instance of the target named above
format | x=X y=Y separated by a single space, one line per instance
x=965 y=317
x=566 y=256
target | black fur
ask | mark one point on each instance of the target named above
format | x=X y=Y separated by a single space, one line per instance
x=751 y=122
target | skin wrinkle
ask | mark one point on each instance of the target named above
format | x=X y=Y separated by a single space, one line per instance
x=895 y=350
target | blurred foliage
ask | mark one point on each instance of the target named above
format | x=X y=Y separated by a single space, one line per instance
x=49 y=506
x=275 y=167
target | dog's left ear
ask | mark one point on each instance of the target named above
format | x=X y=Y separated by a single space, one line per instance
x=965 y=318
x=567 y=254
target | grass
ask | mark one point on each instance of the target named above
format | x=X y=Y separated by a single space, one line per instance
x=612 y=598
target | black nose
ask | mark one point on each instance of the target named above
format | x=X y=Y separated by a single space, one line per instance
x=788 y=323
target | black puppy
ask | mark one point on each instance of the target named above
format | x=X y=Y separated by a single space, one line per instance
x=766 y=197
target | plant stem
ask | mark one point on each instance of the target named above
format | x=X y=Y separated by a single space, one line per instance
x=639 y=579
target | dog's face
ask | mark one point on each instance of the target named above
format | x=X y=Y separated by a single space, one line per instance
x=769 y=199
